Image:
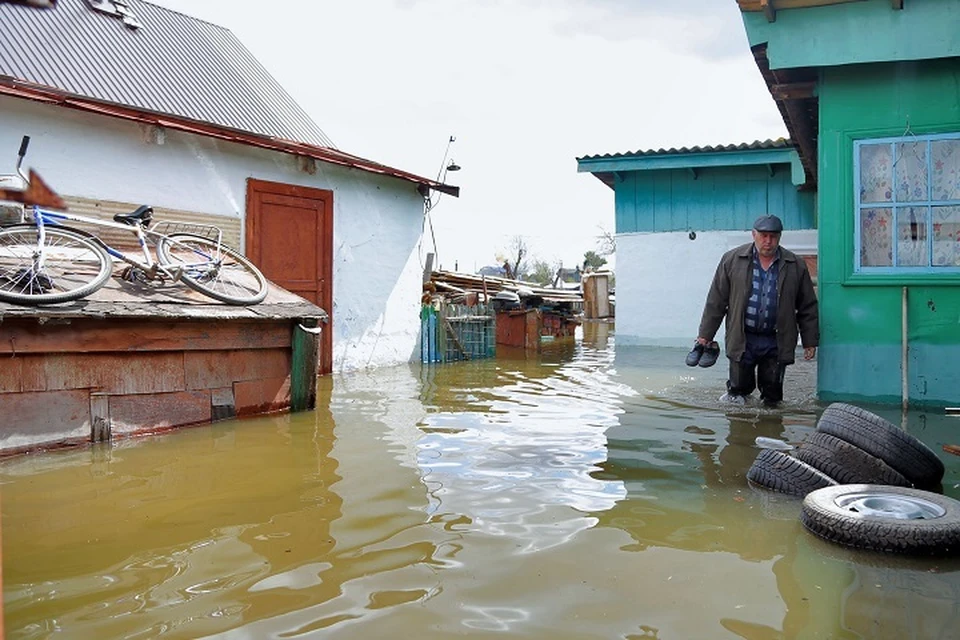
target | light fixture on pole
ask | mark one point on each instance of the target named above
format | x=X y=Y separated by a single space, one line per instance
x=428 y=200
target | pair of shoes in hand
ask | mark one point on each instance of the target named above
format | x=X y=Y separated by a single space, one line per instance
x=704 y=355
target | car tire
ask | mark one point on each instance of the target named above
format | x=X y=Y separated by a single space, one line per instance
x=778 y=471
x=847 y=463
x=882 y=439
x=884 y=518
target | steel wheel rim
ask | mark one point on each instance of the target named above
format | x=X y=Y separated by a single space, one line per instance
x=890 y=505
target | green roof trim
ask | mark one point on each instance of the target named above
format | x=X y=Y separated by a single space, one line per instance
x=857 y=33
x=760 y=153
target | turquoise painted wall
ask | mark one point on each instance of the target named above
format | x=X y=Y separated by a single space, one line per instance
x=858 y=32
x=860 y=314
x=721 y=198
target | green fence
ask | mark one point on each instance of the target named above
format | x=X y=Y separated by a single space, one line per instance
x=456 y=332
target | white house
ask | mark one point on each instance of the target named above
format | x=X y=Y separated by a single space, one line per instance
x=128 y=103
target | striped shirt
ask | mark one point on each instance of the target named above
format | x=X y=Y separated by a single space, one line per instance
x=761 y=315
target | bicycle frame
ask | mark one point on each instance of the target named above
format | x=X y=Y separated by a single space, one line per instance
x=191 y=253
x=45 y=217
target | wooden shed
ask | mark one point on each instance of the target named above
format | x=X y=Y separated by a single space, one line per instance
x=132 y=359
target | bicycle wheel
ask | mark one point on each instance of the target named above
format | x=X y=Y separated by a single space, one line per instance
x=213 y=269
x=70 y=265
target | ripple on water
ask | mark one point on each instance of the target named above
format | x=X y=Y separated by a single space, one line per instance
x=590 y=492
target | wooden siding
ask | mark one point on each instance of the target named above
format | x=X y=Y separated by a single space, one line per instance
x=57 y=379
x=106 y=209
x=709 y=199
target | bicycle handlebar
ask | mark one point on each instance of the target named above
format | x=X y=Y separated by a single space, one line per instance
x=23 y=151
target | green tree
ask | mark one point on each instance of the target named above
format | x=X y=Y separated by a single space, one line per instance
x=591 y=259
x=541 y=272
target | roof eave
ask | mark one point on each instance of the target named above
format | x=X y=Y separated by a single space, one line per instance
x=686 y=160
x=18 y=89
x=798 y=107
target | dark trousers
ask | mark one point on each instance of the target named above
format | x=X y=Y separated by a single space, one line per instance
x=759 y=367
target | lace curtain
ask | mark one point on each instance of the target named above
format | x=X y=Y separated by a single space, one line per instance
x=905 y=189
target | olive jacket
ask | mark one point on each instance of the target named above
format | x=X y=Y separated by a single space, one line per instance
x=796 y=303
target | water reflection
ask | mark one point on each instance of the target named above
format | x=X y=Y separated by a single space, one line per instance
x=514 y=442
x=585 y=492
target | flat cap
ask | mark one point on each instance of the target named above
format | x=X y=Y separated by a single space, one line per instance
x=769 y=223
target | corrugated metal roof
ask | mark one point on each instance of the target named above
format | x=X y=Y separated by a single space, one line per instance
x=173 y=64
x=757 y=145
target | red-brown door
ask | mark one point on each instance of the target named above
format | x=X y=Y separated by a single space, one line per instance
x=290 y=237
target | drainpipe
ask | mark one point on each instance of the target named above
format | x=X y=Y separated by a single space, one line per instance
x=904 y=378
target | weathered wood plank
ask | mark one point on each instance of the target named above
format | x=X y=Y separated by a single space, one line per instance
x=217 y=369
x=37 y=418
x=262 y=396
x=116 y=374
x=88 y=335
x=100 y=425
x=133 y=413
x=32 y=375
x=10 y=375
x=304 y=364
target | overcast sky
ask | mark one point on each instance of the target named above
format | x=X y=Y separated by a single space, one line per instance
x=526 y=86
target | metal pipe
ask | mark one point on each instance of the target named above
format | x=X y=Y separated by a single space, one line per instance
x=904 y=378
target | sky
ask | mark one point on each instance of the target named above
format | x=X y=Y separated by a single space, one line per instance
x=525 y=87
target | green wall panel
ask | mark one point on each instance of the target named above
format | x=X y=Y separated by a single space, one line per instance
x=711 y=198
x=860 y=313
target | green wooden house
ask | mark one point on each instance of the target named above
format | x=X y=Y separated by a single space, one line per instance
x=870 y=92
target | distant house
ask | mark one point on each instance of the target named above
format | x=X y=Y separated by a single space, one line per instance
x=678 y=211
x=496 y=271
x=129 y=103
x=870 y=93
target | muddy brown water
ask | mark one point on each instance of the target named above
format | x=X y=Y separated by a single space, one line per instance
x=590 y=492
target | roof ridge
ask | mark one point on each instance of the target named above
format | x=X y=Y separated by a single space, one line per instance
x=187 y=15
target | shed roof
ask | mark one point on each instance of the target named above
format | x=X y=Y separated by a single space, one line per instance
x=136 y=60
x=606 y=167
x=779 y=143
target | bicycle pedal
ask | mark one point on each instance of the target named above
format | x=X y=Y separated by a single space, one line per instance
x=32 y=282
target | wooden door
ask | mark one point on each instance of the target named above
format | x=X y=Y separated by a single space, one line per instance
x=290 y=237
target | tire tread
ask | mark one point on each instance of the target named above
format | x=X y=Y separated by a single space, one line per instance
x=780 y=472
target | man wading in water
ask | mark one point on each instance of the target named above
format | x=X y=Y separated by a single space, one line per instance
x=766 y=294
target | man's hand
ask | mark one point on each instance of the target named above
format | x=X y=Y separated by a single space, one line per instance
x=809 y=353
x=703 y=341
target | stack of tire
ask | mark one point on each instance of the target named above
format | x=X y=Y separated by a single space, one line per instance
x=866 y=483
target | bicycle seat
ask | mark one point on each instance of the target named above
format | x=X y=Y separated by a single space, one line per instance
x=143 y=215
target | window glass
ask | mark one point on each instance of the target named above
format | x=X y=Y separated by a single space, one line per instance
x=876 y=225
x=946 y=236
x=945 y=155
x=876 y=173
x=907 y=215
x=912 y=237
x=910 y=168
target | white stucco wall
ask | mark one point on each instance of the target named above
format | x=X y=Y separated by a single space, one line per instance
x=377 y=220
x=663 y=278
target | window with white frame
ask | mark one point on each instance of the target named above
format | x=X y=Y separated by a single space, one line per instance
x=908 y=204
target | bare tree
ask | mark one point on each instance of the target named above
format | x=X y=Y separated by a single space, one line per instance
x=515 y=258
x=606 y=243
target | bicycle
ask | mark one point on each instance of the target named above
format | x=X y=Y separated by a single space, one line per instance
x=42 y=261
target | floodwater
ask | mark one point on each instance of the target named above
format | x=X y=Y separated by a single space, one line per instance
x=590 y=492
